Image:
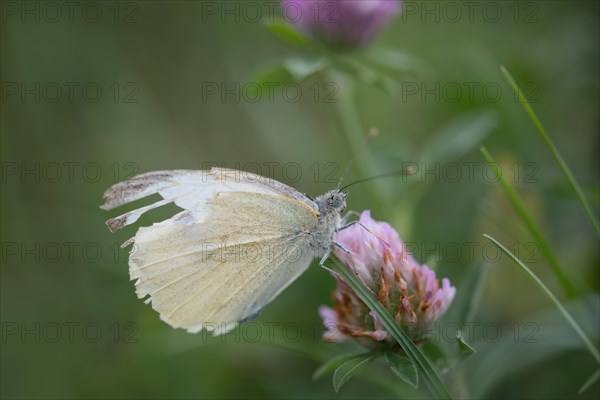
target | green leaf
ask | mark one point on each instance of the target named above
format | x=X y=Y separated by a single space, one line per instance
x=334 y=363
x=272 y=74
x=592 y=379
x=345 y=371
x=292 y=69
x=302 y=68
x=593 y=350
x=531 y=226
x=288 y=33
x=435 y=352
x=413 y=352
x=403 y=368
x=464 y=348
x=460 y=136
x=396 y=60
x=362 y=72
x=554 y=151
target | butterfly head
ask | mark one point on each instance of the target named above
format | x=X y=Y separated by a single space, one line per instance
x=333 y=201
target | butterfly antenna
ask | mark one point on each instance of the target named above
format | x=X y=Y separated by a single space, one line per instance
x=409 y=170
x=372 y=133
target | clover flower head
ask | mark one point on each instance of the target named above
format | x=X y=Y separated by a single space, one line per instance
x=410 y=292
x=348 y=23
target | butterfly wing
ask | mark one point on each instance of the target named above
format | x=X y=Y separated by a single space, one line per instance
x=239 y=242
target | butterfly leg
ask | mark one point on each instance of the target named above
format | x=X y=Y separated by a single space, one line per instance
x=341 y=246
x=325 y=256
x=348 y=225
x=348 y=215
x=328 y=252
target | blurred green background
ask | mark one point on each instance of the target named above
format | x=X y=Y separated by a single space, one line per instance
x=72 y=326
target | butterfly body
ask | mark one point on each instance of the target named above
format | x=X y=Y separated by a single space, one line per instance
x=330 y=205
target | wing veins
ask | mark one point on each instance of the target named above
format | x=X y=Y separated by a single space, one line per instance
x=194 y=295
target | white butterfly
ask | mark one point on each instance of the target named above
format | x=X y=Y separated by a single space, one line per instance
x=239 y=241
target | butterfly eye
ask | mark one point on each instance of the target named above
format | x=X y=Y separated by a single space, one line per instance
x=337 y=202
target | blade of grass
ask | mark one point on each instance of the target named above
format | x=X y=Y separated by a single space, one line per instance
x=551 y=296
x=533 y=229
x=415 y=354
x=588 y=384
x=557 y=157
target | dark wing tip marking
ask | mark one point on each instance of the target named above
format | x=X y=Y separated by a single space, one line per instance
x=136 y=188
x=251 y=317
x=114 y=224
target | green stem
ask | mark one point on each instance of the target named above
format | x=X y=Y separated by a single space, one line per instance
x=533 y=229
x=554 y=151
x=593 y=350
x=415 y=354
x=355 y=134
